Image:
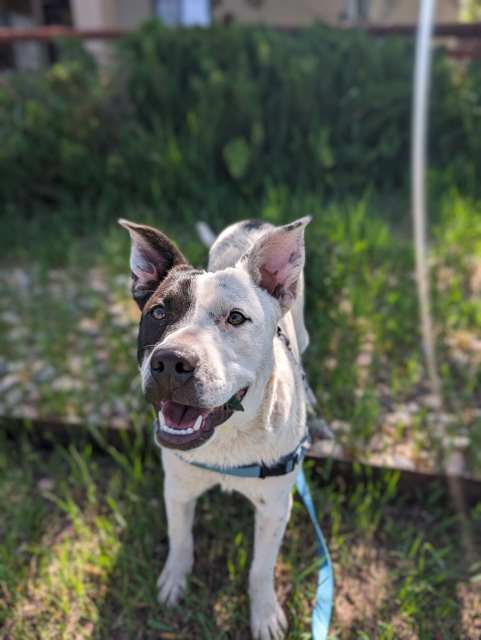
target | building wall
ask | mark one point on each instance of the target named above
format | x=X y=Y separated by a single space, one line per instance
x=130 y=14
x=95 y=14
x=20 y=55
x=406 y=11
x=296 y=13
x=284 y=13
x=26 y=55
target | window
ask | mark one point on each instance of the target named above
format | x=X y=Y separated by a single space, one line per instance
x=185 y=12
x=357 y=10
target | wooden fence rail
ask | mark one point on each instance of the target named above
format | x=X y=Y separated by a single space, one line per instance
x=45 y=34
x=468 y=35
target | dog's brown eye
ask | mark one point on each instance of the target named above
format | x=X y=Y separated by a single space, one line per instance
x=236 y=318
x=158 y=312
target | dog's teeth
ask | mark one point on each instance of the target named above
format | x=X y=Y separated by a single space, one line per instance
x=176 y=432
x=160 y=418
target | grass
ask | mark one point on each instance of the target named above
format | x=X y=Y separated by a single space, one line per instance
x=84 y=538
x=68 y=310
x=83 y=534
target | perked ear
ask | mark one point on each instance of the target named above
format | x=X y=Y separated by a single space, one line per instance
x=152 y=256
x=276 y=261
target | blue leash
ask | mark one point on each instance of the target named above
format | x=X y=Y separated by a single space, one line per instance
x=321 y=614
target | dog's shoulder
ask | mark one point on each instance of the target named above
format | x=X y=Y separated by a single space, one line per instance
x=234 y=242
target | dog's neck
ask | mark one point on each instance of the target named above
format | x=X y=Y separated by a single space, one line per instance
x=273 y=420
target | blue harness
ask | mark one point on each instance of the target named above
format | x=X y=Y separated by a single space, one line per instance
x=321 y=614
x=285 y=465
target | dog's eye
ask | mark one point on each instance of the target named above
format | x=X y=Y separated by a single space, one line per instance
x=236 y=318
x=158 y=312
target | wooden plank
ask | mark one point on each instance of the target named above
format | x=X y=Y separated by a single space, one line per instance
x=46 y=34
x=416 y=483
x=48 y=433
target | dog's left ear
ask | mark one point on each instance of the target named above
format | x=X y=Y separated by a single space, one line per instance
x=152 y=256
x=276 y=260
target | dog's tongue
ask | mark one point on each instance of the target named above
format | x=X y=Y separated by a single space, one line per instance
x=180 y=416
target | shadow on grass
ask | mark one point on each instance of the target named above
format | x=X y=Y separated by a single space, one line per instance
x=398 y=566
x=23 y=523
x=402 y=571
x=84 y=540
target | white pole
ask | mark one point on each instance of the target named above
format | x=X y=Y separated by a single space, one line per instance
x=422 y=72
x=418 y=167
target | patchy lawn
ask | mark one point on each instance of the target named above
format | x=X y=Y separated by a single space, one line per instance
x=68 y=329
x=82 y=535
x=83 y=539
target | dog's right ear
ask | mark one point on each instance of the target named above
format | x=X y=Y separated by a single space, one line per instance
x=152 y=256
x=276 y=261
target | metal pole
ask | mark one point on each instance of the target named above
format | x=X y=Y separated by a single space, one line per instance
x=418 y=181
x=418 y=166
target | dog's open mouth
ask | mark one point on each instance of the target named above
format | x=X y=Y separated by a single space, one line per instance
x=180 y=426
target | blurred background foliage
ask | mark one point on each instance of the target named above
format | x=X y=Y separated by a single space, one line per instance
x=220 y=124
x=233 y=111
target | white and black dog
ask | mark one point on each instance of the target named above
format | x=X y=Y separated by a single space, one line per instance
x=211 y=342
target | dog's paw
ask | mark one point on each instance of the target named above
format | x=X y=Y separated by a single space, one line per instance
x=268 y=621
x=171 y=585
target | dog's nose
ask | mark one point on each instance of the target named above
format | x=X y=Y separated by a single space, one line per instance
x=171 y=365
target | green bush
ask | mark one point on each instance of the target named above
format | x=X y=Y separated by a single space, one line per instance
x=210 y=118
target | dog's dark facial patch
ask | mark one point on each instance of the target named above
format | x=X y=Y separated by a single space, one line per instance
x=174 y=294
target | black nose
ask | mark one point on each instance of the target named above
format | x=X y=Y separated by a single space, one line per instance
x=168 y=365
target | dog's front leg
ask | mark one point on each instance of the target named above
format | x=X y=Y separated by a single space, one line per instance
x=267 y=618
x=172 y=580
x=180 y=495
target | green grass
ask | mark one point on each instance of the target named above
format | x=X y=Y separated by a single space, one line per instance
x=84 y=538
x=67 y=327
x=82 y=535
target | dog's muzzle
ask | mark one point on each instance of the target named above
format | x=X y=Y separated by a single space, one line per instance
x=180 y=426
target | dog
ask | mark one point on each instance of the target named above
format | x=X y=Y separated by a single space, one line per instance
x=219 y=356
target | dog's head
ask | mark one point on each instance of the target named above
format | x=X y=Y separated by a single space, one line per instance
x=205 y=337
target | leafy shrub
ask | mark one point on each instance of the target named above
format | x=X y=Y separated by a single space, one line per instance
x=216 y=118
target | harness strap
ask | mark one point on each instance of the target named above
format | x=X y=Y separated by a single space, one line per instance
x=285 y=465
x=321 y=614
